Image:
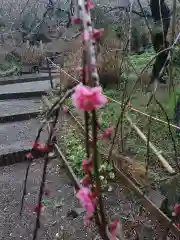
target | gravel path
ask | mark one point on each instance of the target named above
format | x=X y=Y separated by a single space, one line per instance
x=16 y=136
x=60 y=200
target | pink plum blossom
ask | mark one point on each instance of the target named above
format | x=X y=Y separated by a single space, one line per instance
x=76 y=20
x=88 y=99
x=114 y=229
x=87 y=200
x=37 y=207
x=86 y=180
x=35 y=144
x=29 y=156
x=176 y=211
x=97 y=34
x=65 y=109
x=87 y=165
x=41 y=147
x=178 y=225
x=107 y=135
x=90 y=5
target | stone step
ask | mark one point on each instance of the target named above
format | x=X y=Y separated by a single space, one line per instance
x=22 y=95
x=25 y=90
x=27 y=78
x=18 y=110
x=53 y=71
x=19 y=136
x=26 y=87
x=19 y=117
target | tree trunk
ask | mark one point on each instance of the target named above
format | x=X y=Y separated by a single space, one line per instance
x=161 y=16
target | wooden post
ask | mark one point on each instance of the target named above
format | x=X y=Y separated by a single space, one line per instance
x=49 y=71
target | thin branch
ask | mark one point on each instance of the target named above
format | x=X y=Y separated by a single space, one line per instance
x=44 y=176
x=153 y=148
x=49 y=114
x=171 y=134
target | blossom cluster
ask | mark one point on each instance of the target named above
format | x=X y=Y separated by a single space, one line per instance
x=37 y=149
x=88 y=99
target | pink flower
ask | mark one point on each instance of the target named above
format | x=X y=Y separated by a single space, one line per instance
x=178 y=225
x=86 y=180
x=87 y=165
x=35 y=144
x=176 y=210
x=86 y=198
x=41 y=147
x=88 y=99
x=44 y=148
x=29 y=156
x=65 y=109
x=89 y=4
x=38 y=207
x=76 y=20
x=97 y=34
x=114 y=229
x=107 y=134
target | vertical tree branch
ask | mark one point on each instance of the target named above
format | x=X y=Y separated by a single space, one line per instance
x=173 y=31
x=159 y=11
x=90 y=68
x=46 y=158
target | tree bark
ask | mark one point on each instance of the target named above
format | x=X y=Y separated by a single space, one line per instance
x=161 y=16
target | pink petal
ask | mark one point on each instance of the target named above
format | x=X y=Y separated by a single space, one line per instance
x=90 y=5
x=65 y=109
x=99 y=98
x=87 y=165
x=29 y=156
x=87 y=99
x=84 y=196
x=98 y=33
x=76 y=20
x=38 y=207
x=35 y=144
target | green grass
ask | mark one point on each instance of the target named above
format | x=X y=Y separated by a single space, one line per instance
x=160 y=135
x=9 y=67
x=75 y=150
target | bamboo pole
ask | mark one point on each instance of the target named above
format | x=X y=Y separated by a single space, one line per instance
x=163 y=161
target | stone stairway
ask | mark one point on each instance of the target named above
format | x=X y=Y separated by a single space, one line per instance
x=20 y=104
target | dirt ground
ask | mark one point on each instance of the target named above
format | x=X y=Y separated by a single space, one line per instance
x=61 y=199
x=59 y=202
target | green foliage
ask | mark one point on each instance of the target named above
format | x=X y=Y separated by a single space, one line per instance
x=6 y=66
x=119 y=31
x=9 y=68
x=176 y=59
x=140 y=61
x=160 y=135
x=76 y=153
